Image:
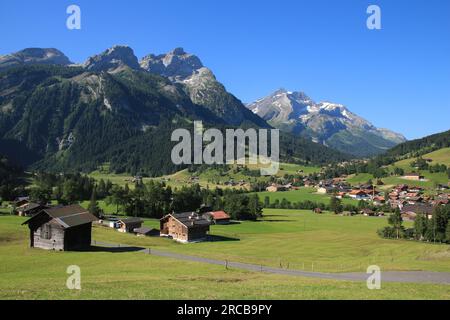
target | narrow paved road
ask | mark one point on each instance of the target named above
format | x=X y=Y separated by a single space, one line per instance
x=386 y=276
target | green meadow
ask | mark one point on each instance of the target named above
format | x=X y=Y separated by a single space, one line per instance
x=37 y=274
x=303 y=194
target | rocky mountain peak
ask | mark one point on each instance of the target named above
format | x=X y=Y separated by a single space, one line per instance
x=176 y=64
x=34 y=56
x=329 y=123
x=113 y=58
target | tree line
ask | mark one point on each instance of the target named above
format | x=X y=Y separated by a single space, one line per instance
x=150 y=200
x=436 y=229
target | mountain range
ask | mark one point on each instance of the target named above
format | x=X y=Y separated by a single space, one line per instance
x=326 y=123
x=58 y=116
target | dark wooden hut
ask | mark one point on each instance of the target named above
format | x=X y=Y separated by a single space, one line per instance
x=62 y=229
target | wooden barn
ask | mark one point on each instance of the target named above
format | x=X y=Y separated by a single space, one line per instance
x=62 y=229
x=185 y=227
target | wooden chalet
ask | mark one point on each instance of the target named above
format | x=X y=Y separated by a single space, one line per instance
x=128 y=225
x=29 y=209
x=62 y=229
x=185 y=227
x=21 y=201
x=410 y=212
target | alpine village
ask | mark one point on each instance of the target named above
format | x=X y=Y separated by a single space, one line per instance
x=86 y=173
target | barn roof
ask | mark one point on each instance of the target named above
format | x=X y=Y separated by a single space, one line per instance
x=30 y=206
x=190 y=219
x=68 y=216
x=131 y=220
x=418 y=208
x=219 y=215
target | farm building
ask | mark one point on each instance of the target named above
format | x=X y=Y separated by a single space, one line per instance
x=414 y=176
x=218 y=217
x=277 y=188
x=185 y=227
x=29 y=209
x=20 y=201
x=146 y=232
x=62 y=229
x=128 y=225
x=412 y=211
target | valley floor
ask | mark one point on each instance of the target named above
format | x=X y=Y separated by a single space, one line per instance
x=290 y=238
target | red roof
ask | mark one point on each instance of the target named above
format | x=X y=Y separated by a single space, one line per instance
x=220 y=215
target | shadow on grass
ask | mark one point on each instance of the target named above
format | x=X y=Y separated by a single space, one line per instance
x=113 y=249
x=275 y=215
x=276 y=220
x=229 y=223
x=214 y=238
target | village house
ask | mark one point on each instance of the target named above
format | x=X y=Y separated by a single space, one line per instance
x=368 y=212
x=414 y=176
x=358 y=195
x=402 y=187
x=308 y=182
x=218 y=217
x=379 y=200
x=185 y=227
x=410 y=212
x=21 y=201
x=128 y=225
x=61 y=229
x=340 y=195
x=276 y=188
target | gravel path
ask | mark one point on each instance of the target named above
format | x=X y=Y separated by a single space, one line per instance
x=386 y=276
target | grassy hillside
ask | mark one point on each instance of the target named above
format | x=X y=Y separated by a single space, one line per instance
x=441 y=156
x=211 y=177
x=37 y=274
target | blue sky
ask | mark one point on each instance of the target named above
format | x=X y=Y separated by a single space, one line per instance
x=398 y=77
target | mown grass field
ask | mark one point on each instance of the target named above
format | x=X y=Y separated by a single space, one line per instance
x=36 y=274
x=303 y=194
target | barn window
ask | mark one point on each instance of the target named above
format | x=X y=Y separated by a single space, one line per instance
x=46 y=232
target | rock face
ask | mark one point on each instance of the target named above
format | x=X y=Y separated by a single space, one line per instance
x=175 y=65
x=201 y=85
x=113 y=59
x=34 y=56
x=327 y=123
